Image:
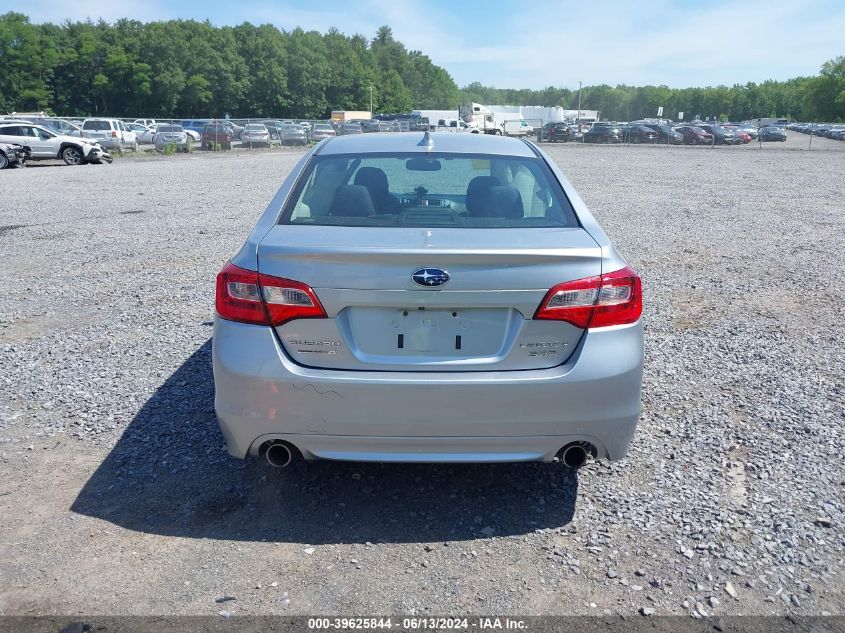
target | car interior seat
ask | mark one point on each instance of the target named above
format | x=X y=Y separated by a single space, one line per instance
x=352 y=201
x=474 y=190
x=487 y=199
x=375 y=180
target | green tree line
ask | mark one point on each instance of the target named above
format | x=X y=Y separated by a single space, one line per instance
x=187 y=68
x=818 y=98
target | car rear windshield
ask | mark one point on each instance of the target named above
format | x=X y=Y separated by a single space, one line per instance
x=427 y=190
x=169 y=128
x=96 y=125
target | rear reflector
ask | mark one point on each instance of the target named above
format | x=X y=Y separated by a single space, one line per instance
x=250 y=297
x=612 y=299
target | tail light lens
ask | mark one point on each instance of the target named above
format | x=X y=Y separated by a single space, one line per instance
x=250 y=297
x=612 y=299
x=113 y=134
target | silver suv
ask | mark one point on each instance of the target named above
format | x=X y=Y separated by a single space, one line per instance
x=428 y=298
x=111 y=133
x=45 y=144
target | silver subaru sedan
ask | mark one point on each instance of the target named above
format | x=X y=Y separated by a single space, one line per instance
x=428 y=298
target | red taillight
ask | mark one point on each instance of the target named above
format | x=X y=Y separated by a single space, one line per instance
x=113 y=134
x=250 y=297
x=612 y=299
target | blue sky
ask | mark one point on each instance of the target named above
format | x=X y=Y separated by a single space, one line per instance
x=539 y=43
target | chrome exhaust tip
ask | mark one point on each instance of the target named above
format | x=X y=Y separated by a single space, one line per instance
x=279 y=454
x=574 y=455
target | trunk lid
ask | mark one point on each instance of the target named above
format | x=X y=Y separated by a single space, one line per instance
x=380 y=319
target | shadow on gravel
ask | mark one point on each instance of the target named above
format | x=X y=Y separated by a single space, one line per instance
x=169 y=474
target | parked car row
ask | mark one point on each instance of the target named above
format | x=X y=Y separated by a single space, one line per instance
x=253 y=132
x=124 y=134
x=835 y=131
x=696 y=133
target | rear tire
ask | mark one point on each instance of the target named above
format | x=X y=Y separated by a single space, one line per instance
x=72 y=156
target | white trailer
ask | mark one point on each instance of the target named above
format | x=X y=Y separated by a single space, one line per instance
x=480 y=119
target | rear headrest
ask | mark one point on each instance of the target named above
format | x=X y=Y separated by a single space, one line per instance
x=352 y=201
x=476 y=186
x=372 y=178
x=498 y=201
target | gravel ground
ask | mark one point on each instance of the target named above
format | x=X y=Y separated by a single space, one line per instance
x=116 y=494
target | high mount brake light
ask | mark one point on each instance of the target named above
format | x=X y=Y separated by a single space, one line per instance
x=611 y=299
x=250 y=297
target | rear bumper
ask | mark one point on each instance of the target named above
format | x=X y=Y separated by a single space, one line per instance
x=109 y=143
x=260 y=395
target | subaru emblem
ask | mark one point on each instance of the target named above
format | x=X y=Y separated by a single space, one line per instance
x=430 y=277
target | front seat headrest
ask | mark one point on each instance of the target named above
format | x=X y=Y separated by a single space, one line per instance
x=476 y=186
x=500 y=201
x=372 y=178
x=352 y=201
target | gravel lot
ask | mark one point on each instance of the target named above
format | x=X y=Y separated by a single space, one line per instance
x=117 y=497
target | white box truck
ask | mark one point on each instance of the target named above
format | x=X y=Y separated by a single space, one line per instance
x=480 y=119
x=349 y=115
